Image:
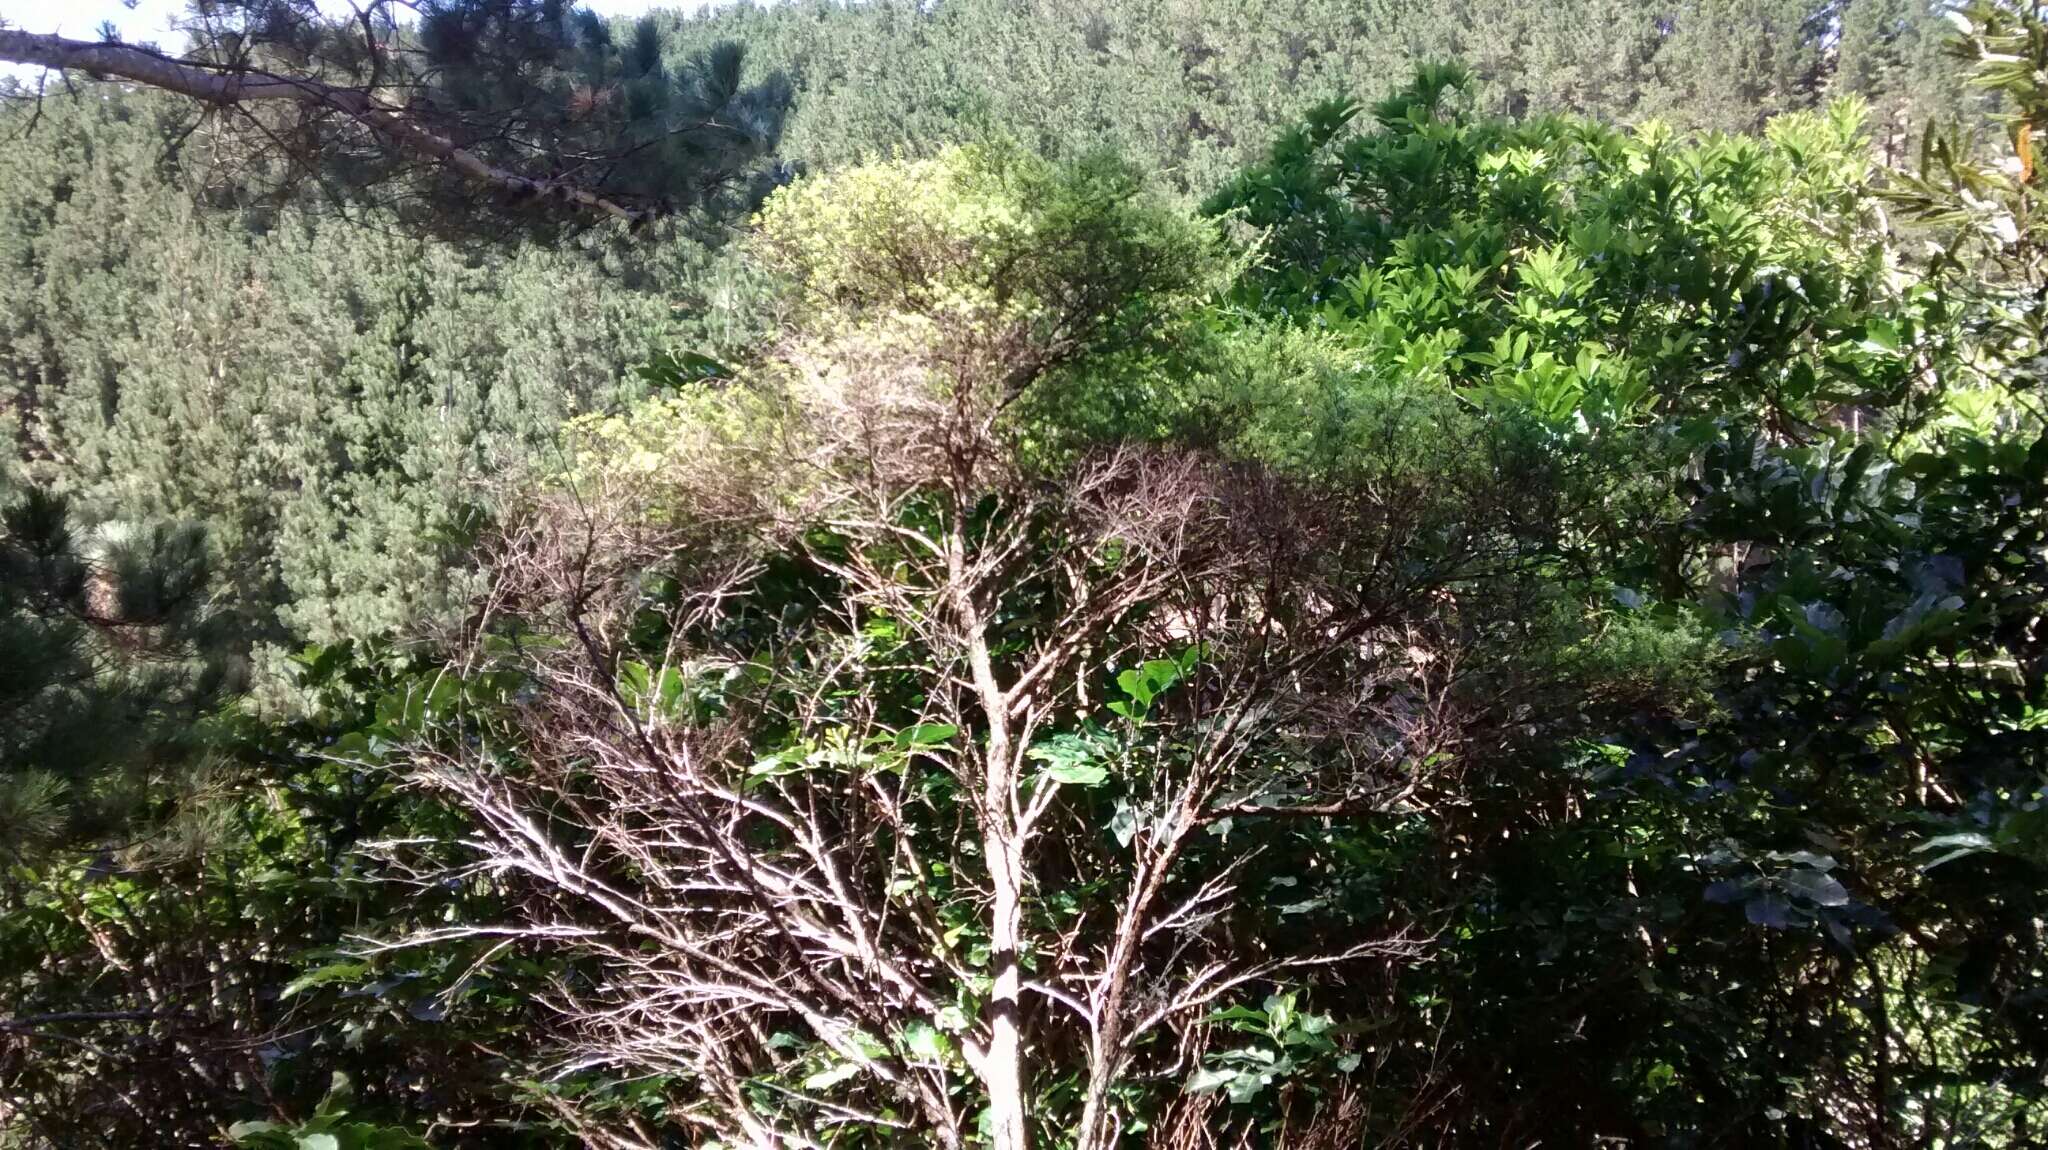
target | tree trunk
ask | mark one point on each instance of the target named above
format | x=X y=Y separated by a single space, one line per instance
x=1105 y=1061
x=1096 y=1131
x=1003 y=851
x=1004 y=1074
x=1105 y=1055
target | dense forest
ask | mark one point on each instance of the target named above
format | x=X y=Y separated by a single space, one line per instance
x=1195 y=574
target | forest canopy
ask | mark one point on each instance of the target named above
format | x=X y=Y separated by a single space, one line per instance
x=1185 y=575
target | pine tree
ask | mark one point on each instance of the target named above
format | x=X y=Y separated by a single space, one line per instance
x=469 y=108
x=320 y=392
x=100 y=633
x=1890 y=53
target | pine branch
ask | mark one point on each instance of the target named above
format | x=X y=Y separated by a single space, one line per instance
x=227 y=88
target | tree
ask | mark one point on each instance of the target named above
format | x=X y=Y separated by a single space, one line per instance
x=1891 y=54
x=311 y=389
x=1514 y=629
x=516 y=100
x=885 y=743
x=101 y=684
x=1024 y=698
x=1802 y=580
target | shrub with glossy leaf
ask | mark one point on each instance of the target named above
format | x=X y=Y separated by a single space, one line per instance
x=1586 y=275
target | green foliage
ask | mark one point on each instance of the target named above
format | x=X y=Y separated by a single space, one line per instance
x=1817 y=693
x=623 y=116
x=992 y=273
x=991 y=235
x=101 y=638
x=1194 y=90
x=326 y=1129
x=465 y=118
x=315 y=392
x=1282 y=1043
x=1607 y=563
x=206 y=971
x=1583 y=277
x=310 y=388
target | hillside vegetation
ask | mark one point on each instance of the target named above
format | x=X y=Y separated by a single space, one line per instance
x=1191 y=575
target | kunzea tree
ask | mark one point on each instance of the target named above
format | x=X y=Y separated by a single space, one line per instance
x=903 y=763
